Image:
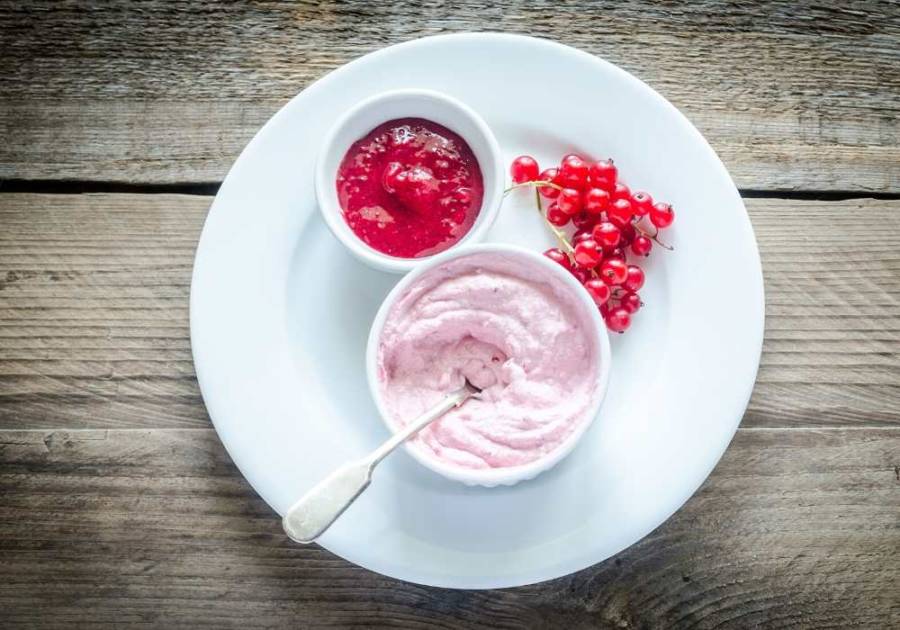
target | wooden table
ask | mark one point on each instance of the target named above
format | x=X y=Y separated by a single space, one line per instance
x=118 y=504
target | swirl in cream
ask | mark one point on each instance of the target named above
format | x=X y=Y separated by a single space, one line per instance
x=512 y=328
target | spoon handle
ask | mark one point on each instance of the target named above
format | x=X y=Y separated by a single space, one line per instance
x=316 y=510
x=451 y=400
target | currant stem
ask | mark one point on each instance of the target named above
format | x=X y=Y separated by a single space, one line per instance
x=536 y=183
x=563 y=242
x=653 y=237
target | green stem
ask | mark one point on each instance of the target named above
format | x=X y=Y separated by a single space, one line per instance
x=563 y=241
x=536 y=184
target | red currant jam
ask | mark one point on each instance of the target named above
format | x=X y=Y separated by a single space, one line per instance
x=410 y=188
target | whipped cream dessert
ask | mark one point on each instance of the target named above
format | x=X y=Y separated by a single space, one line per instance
x=513 y=329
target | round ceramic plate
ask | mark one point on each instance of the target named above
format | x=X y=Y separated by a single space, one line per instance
x=280 y=313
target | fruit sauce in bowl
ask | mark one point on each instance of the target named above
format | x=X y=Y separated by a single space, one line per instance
x=408 y=174
x=410 y=188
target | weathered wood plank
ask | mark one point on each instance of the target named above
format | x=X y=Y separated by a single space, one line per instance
x=94 y=312
x=831 y=354
x=157 y=528
x=792 y=95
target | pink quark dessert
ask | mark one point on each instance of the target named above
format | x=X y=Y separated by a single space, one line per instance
x=512 y=328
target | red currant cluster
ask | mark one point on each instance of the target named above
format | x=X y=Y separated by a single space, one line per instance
x=608 y=221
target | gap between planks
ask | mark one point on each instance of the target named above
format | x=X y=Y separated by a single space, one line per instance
x=210 y=189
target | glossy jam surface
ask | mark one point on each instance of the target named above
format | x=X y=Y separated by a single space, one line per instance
x=410 y=188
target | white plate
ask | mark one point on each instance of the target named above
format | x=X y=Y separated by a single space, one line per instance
x=280 y=314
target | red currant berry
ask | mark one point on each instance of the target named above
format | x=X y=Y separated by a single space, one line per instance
x=607 y=235
x=631 y=302
x=603 y=184
x=641 y=245
x=584 y=221
x=587 y=254
x=598 y=290
x=621 y=191
x=641 y=203
x=613 y=270
x=596 y=200
x=617 y=254
x=549 y=175
x=558 y=256
x=556 y=216
x=524 y=169
x=620 y=210
x=618 y=319
x=628 y=234
x=573 y=172
x=604 y=170
x=661 y=215
x=582 y=275
x=635 y=279
x=569 y=201
x=617 y=220
x=581 y=235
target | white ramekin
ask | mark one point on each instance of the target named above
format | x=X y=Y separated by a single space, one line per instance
x=436 y=107
x=492 y=476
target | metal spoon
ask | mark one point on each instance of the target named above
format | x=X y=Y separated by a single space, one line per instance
x=314 y=513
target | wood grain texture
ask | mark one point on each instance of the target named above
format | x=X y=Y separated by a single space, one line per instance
x=118 y=504
x=831 y=354
x=792 y=95
x=94 y=312
x=155 y=528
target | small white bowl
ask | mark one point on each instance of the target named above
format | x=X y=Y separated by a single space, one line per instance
x=510 y=475
x=363 y=118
